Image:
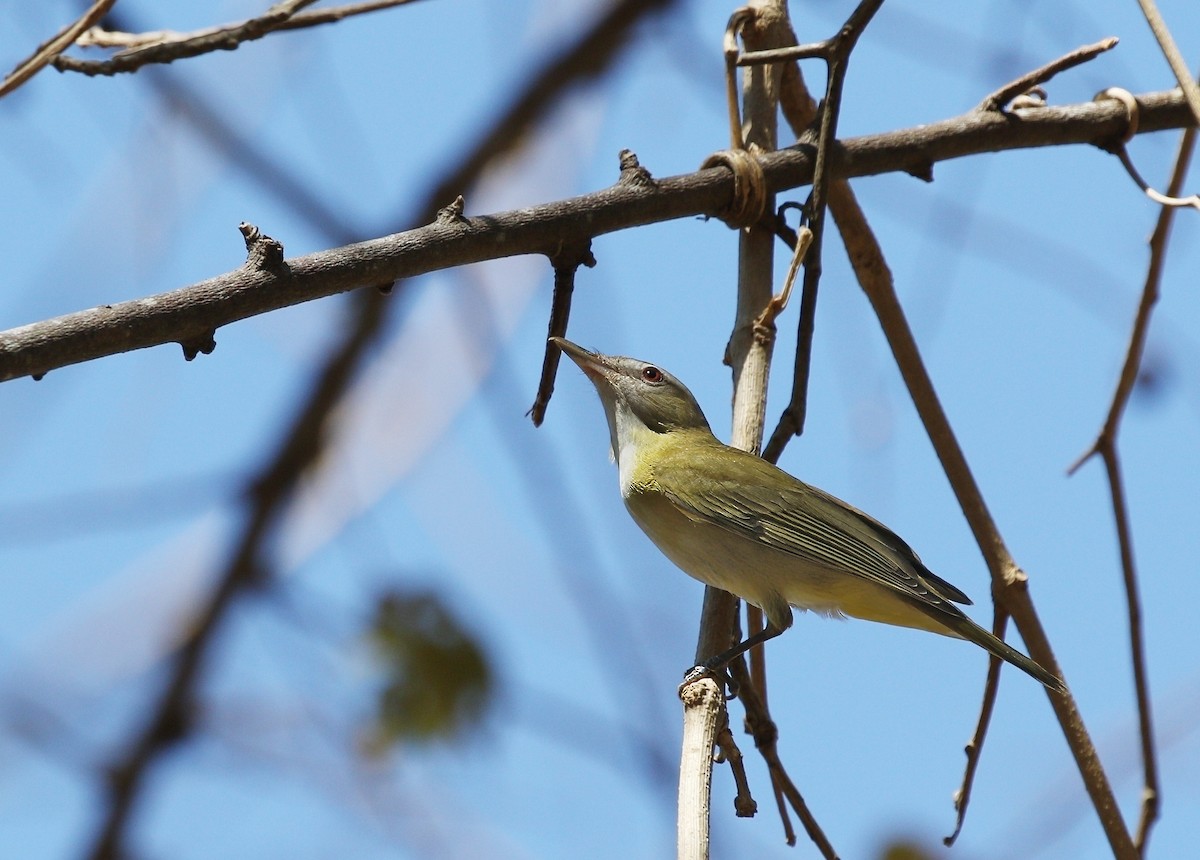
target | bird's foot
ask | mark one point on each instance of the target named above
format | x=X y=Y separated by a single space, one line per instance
x=718 y=675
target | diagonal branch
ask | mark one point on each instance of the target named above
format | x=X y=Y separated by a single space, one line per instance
x=166 y=47
x=268 y=493
x=97 y=37
x=1010 y=586
x=193 y=312
x=48 y=50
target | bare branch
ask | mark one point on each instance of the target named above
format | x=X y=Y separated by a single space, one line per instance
x=1001 y=97
x=1106 y=446
x=167 y=46
x=98 y=37
x=186 y=313
x=1191 y=90
x=47 y=51
x=974 y=747
x=1010 y=585
x=837 y=59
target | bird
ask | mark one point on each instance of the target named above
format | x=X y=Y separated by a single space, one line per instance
x=730 y=519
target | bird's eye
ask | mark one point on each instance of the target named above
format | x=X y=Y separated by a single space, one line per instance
x=650 y=373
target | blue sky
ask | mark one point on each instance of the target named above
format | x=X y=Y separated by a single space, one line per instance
x=1020 y=273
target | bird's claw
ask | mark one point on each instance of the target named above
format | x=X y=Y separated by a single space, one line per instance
x=719 y=675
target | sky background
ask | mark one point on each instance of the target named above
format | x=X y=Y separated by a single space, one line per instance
x=120 y=479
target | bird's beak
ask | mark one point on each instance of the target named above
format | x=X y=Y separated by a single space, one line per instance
x=591 y=363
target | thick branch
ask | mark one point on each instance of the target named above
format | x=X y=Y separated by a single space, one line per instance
x=192 y=312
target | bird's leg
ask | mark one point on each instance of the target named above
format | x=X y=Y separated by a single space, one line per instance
x=715 y=666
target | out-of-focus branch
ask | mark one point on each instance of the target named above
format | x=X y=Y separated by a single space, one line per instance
x=1106 y=446
x=50 y=49
x=195 y=311
x=268 y=493
x=166 y=46
x=97 y=37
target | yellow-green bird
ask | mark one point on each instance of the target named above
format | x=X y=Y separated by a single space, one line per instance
x=736 y=522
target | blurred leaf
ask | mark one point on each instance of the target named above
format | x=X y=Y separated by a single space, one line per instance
x=904 y=850
x=437 y=682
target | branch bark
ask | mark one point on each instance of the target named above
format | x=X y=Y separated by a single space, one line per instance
x=194 y=312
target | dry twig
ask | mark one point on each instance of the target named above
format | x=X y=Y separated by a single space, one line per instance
x=47 y=51
x=166 y=46
x=1106 y=446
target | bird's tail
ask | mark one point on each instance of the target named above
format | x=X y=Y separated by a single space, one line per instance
x=968 y=629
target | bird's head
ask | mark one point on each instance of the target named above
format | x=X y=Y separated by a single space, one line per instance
x=638 y=396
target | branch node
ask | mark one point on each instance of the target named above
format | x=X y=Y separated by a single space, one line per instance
x=453 y=213
x=749 y=187
x=263 y=253
x=633 y=175
x=1132 y=113
x=204 y=343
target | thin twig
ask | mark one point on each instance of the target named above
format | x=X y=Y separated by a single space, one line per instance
x=766 y=737
x=566 y=263
x=98 y=37
x=1106 y=446
x=998 y=100
x=974 y=747
x=748 y=351
x=177 y=46
x=1191 y=90
x=837 y=58
x=50 y=49
x=873 y=274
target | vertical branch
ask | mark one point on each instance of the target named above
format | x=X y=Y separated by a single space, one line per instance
x=1191 y=90
x=748 y=353
x=1106 y=446
x=836 y=52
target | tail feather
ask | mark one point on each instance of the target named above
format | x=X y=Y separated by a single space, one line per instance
x=968 y=629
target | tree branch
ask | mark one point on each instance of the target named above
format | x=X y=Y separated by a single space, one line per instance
x=1106 y=446
x=48 y=50
x=185 y=314
x=166 y=46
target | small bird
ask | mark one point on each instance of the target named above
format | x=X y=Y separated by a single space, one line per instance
x=736 y=522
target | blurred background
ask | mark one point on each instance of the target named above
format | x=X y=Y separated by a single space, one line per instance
x=451 y=641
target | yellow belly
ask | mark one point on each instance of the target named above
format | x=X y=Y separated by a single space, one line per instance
x=766 y=577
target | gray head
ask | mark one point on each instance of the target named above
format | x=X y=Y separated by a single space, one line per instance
x=637 y=391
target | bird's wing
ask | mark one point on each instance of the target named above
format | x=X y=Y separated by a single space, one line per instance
x=799 y=520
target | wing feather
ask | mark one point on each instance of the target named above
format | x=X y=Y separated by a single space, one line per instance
x=800 y=520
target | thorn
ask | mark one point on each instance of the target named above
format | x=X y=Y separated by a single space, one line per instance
x=263 y=253
x=632 y=172
x=453 y=214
